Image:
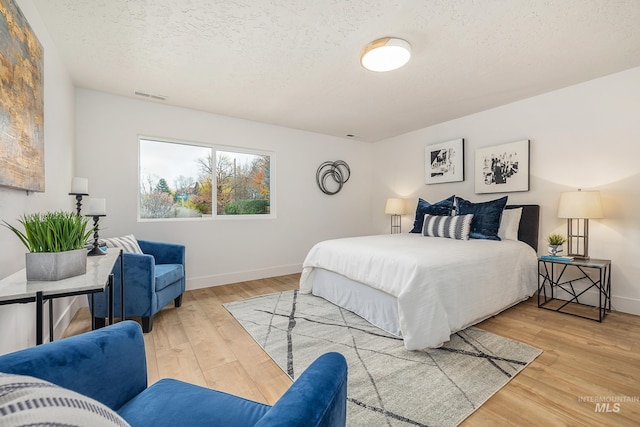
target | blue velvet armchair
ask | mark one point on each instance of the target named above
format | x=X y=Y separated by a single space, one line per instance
x=109 y=366
x=151 y=281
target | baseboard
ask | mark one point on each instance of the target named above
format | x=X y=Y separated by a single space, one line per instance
x=241 y=276
x=625 y=305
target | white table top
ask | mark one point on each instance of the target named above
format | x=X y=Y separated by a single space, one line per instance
x=99 y=267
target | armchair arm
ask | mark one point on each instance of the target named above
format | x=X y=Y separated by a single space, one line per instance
x=139 y=272
x=139 y=280
x=107 y=364
x=164 y=253
x=317 y=398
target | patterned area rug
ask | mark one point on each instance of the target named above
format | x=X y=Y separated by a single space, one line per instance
x=387 y=385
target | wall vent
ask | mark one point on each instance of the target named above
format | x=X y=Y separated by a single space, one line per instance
x=148 y=95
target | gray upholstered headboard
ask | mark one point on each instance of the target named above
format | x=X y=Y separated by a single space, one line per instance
x=529 y=224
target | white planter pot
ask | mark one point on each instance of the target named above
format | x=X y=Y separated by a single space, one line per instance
x=50 y=266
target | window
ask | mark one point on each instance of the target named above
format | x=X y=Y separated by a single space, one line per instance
x=179 y=180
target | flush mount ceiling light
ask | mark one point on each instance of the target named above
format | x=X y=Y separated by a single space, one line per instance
x=385 y=54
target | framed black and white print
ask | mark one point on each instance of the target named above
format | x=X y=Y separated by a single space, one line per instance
x=502 y=168
x=444 y=162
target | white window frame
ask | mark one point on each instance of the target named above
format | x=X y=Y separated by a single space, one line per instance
x=215 y=148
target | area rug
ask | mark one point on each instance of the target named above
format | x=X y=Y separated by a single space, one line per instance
x=387 y=384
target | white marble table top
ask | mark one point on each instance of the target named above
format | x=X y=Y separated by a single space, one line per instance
x=99 y=267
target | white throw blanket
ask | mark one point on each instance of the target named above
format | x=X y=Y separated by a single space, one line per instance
x=441 y=285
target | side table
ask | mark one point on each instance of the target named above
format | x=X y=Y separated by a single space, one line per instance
x=551 y=276
x=98 y=278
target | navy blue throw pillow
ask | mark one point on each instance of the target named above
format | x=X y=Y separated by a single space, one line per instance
x=443 y=207
x=486 y=217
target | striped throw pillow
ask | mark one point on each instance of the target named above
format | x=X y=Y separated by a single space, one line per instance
x=126 y=243
x=29 y=401
x=451 y=227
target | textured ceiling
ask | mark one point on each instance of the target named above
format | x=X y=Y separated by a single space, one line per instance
x=295 y=63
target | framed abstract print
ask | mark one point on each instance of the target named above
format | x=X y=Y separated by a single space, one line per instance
x=502 y=168
x=444 y=162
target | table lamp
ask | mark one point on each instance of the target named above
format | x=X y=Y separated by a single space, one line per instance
x=395 y=208
x=578 y=207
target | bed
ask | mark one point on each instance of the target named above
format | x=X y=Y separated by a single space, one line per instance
x=423 y=289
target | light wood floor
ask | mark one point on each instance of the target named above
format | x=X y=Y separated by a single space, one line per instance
x=202 y=343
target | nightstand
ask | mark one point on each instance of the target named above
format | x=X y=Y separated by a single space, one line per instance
x=552 y=277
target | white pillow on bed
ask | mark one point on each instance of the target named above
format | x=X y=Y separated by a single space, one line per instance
x=510 y=224
x=452 y=227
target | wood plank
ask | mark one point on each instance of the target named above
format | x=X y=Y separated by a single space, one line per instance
x=233 y=379
x=153 y=374
x=180 y=362
x=268 y=377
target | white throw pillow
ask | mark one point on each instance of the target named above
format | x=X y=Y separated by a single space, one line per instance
x=127 y=243
x=31 y=401
x=510 y=224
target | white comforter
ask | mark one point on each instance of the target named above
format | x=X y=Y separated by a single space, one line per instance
x=441 y=285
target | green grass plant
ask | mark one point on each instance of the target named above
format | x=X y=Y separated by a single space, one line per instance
x=556 y=239
x=52 y=231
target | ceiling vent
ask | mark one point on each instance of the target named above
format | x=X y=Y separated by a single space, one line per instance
x=148 y=95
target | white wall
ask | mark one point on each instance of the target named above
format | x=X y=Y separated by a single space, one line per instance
x=584 y=136
x=17 y=322
x=222 y=251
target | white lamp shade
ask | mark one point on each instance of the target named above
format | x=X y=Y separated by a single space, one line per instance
x=394 y=207
x=385 y=54
x=580 y=204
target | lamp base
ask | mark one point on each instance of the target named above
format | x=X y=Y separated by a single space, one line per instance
x=96 y=251
x=580 y=257
x=396 y=224
x=578 y=238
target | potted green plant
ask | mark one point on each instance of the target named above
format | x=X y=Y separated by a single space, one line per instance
x=555 y=242
x=55 y=241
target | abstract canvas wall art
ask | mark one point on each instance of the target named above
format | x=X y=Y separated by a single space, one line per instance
x=21 y=102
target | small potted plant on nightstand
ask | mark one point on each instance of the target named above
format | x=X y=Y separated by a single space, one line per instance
x=55 y=241
x=555 y=243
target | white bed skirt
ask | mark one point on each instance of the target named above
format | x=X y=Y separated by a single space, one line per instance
x=377 y=307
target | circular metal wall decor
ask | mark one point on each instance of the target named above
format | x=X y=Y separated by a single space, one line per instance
x=339 y=173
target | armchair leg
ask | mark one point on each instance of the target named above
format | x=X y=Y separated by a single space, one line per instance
x=147 y=324
x=178 y=301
